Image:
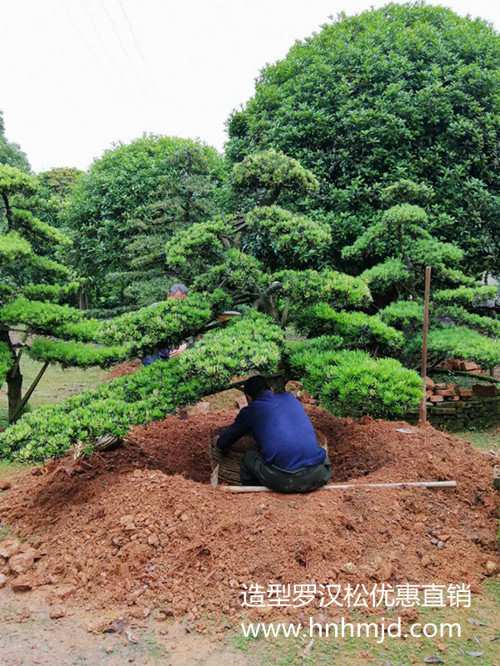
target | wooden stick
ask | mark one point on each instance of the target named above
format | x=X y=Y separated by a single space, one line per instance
x=427 y=292
x=350 y=486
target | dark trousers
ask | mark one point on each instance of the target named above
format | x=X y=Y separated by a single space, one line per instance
x=255 y=472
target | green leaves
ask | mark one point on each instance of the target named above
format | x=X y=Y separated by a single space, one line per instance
x=37 y=315
x=76 y=353
x=281 y=239
x=373 y=100
x=195 y=249
x=168 y=323
x=13 y=247
x=404 y=315
x=270 y=176
x=351 y=383
x=357 y=329
x=302 y=288
x=15 y=181
x=461 y=342
x=251 y=343
x=5 y=361
x=466 y=296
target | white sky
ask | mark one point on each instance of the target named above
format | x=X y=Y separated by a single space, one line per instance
x=78 y=75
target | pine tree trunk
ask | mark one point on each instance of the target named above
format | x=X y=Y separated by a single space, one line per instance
x=14 y=392
x=14 y=379
x=8 y=212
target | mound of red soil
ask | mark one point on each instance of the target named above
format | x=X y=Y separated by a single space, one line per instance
x=141 y=526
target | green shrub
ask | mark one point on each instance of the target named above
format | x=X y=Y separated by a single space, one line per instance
x=269 y=176
x=352 y=383
x=465 y=296
x=197 y=247
x=38 y=315
x=485 y=325
x=167 y=322
x=249 y=343
x=239 y=274
x=388 y=275
x=13 y=247
x=357 y=329
x=281 y=239
x=303 y=288
x=54 y=293
x=5 y=361
x=76 y=353
x=356 y=384
x=404 y=315
x=303 y=355
x=461 y=342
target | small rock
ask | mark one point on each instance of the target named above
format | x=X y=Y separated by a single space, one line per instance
x=56 y=612
x=3 y=580
x=9 y=547
x=22 y=584
x=22 y=562
x=36 y=471
x=139 y=613
x=153 y=540
x=184 y=517
x=5 y=485
x=490 y=567
x=349 y=568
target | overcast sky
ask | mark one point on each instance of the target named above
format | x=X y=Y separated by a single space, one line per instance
x=78 y=75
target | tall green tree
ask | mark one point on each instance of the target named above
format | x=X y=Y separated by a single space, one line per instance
x=11 y=153
x=28 y=260
x=129 y=202
x=405 y=91
x=55 y=188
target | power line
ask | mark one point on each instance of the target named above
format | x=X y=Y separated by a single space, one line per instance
x=83 y=37
x=123 y=48
x=132 y=33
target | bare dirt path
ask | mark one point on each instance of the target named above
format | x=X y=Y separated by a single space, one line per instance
x=30 y=637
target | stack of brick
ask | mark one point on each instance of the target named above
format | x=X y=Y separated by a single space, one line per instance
x=441 y=392
x=459 y=364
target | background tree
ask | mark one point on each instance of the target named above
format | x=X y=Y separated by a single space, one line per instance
x=27 y=250
x=11 y=153
x=405 y=91
x=54 y=191
x=131 y=199
x=401 y=244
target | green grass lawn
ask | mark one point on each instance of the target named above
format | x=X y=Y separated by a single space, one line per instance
x=488 y=439
x=56 y=384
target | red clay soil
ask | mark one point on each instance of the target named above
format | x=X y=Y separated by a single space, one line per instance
x=125 y=368
x=141 y=526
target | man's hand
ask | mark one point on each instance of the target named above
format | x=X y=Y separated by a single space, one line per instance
x=222 y=451
x=179 y=350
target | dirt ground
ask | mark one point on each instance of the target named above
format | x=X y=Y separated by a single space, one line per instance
x=139 y=534
x=30 y=637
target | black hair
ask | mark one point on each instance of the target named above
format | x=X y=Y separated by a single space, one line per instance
x=254 y=386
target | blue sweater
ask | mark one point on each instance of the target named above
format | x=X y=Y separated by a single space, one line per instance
x=282 y=430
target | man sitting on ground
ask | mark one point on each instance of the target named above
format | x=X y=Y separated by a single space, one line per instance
x=289 y=458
